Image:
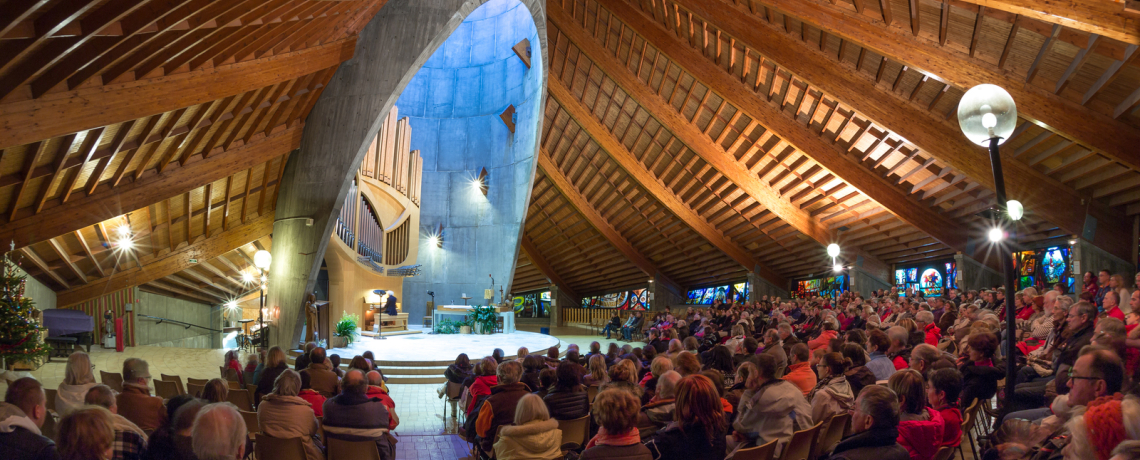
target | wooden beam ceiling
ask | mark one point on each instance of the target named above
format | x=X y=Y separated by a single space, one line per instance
x=540 y=263
x=1041 y=194
x=1107 y=18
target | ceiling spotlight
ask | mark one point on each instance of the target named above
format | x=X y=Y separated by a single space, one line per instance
x=1015 y=210
x=247 y=278
x=125 y=244
x=1072 y=242
x=232 y=305
x=833 y=250
x=262 y=259
x=837 y=268
x=264 y=279
x=995 y=235
x=124 y=231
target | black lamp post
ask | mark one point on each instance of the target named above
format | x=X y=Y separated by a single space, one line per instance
x=262 y=259
x=988 y=116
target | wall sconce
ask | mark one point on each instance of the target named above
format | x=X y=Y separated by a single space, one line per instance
x=480 y=182
x=436 y=239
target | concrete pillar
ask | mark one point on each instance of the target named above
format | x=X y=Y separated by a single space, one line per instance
x=664 y=297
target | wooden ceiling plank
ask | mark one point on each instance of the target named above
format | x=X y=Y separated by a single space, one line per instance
x=977 y=28
x=43 y=267
x=65 y=145
x=1009 y=42
x=26 y=57
x=170 y=263
x=164 y=133
x=126 y=162
x=76 y=214
x=1111 y=73
x=28 y=121
x=544 y=267
x=86 y=151
x=87 y=251
x=1078 y=61
x=116 y=145
x=33 y=155
x=1045 y=49
x=1103 y=18
x=66 y=258
x=1052 y=200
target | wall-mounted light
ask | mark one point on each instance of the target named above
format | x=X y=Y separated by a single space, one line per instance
x=479 y=183
x=436 y=239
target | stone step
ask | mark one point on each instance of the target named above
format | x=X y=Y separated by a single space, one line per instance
x=415 y=379
x=413 y=370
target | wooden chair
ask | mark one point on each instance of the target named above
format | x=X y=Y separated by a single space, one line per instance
x=247 y=376
x=252 y=426
x=240 y=397
x=165 y=390
x=831 y=436
x=969 y=419
x=112 y=379
x=268 y=447
x=592 y=392
x=802 y=443
x=195 y=390
x=575 y=431
x=177 y=382
x=339 y=449
x=944 y=453
x=202 y=382
x=230 y=374
x=49 y=396
x=235 y=385
x=764 y=452
x=453 y=391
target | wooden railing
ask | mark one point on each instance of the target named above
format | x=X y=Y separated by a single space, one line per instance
x=602 y=315
x=390 y=160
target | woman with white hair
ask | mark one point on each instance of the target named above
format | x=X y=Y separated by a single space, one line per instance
x=78 y=377
x=283 y=414
x=533 y=435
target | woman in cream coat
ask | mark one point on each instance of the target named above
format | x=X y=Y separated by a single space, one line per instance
x=283 y=414
x=534 y=435
x=78 y=378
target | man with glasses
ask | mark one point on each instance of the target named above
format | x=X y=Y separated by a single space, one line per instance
x=1078 y=333
x=135 y=402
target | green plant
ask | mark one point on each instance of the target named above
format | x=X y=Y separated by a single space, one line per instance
x=346 y=327
x=486 y=316
x=447 y=326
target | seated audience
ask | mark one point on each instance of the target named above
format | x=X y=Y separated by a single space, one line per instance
x=567 y=400
x=769 y=408
x=925 y=357
x=534 y=435
x=874 y=428
x=900 y=347
x=623 y=375
x=353 y=416
x=829 y=331
x=302 y=361
x=832 y=395
x=316 y=400
x=215 y=391
x=334 y=363
x=376 y=390
x=858 y=375
x=775 y=347
x=283 y=414
x=78 y=377
x=979 y=372
x=135 y=402
x=1106 y=423
x=274 y=365
x=219 y=433
x=800 y=372
x=22 y=413
x=161 y=442
x=618 y=438
x=659 y=411
x=700 y=430
x=459 y=371
x=931 y=333
x=87 y=433
x=920 y=428
x=941 y=388
x=232 y=363
x=498 y=409
x=878 y=361
x=598 y=375
x=686 y=364
x=485 y=379
x=321 y=375
x=130 y=440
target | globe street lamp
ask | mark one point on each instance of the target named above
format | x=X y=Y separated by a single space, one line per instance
x=262 y=259
x=988 y=116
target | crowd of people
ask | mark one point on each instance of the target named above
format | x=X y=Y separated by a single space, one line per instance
x=98 y=423
x=906 y=368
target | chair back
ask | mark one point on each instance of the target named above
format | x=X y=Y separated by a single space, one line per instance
x=944 y=453
x=195 y=390
x=764 y=452
x=454 y=390
x=49 y=395
x=339 y=449
x=592 y=392
x=177 y=381
x=164 y=389
x=240 y=397
x=231 y=374
x=576 y=430
x=112 y=379
x=269 y=447
x=247 y=376
x=202 y=382
x=235 y=385
x=832 y=435
x=251 y=424
x=970 y=417
x=801 y=444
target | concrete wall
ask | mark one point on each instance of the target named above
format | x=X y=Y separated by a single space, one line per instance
x=454 y=103
x=760 y=287
x=41 y=295
x=389 y=51
x=1095 y=259
x=149 y=332
x=976 y=276
x=864 y=282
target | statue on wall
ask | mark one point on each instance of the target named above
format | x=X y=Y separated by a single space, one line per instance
x=311 y=317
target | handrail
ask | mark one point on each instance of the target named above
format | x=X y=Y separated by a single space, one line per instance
x=181 y=323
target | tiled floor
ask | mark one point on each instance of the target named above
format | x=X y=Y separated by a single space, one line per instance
x=424 y=432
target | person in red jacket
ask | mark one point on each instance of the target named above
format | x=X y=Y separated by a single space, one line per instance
x=920 y=428
x=376 y=390
x=307 y=393
x=931 y=333
x=484 y=379
x=829 y=332
x=942 y=389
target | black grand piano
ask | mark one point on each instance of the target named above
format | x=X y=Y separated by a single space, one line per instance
x=67 y=328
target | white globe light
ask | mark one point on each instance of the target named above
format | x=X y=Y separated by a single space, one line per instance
x=986 y=112
x=262 y=259
x=995 y=235
x=837 y=267
x=1015 y=209
x=247 y=278
x=833 y=250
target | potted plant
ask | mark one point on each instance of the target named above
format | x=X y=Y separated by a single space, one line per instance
x=464 y=326
x=346 y=331
x=485 y=319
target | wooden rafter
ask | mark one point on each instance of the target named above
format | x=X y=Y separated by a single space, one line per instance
x=1093 y=16
x=545 y=268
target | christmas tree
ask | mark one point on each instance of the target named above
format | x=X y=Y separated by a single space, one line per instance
x=19 y=328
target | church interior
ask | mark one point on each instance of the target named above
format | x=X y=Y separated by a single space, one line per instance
x=869 y=202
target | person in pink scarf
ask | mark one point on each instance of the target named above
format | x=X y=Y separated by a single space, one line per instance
x=616 y=412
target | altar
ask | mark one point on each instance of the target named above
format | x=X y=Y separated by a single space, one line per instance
x=507 y=314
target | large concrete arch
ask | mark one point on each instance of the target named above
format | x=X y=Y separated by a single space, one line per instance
x=389 y=52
